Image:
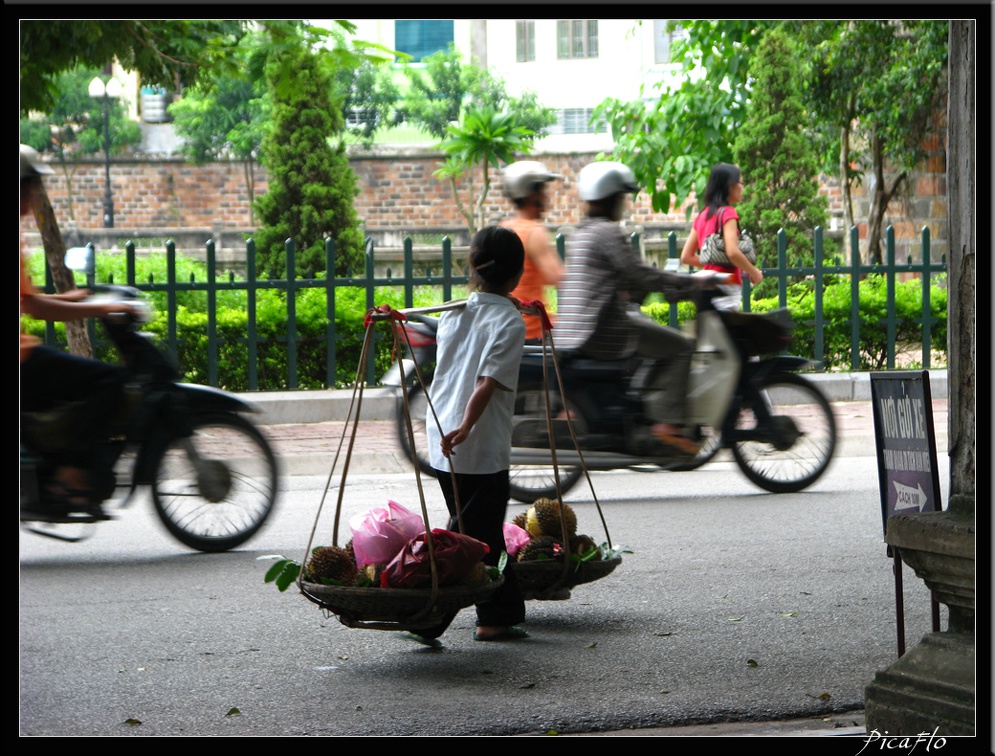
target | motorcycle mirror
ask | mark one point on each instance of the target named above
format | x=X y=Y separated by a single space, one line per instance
x=80 y=258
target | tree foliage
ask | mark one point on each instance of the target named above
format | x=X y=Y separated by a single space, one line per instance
x=672 y=143
x=224 y=117
x=774 y=150
x=369 y=99
x=439 y=94
x=311 y=185
x=876 y=88
x=167 y=53
x=483 y=139
x=870 y=90
x=74 y=128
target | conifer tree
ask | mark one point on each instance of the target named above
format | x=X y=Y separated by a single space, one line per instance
x=779 y=163
x=311 y=184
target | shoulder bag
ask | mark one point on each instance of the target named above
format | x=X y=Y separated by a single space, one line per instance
x=713 y=249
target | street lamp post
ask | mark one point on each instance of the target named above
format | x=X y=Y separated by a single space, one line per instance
x=111 y=89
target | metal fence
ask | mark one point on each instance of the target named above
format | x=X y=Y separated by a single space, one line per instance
x=443 y=276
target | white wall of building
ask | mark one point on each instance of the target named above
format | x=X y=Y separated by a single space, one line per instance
x=625 y=62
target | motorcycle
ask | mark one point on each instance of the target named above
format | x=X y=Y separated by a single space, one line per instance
x=743 y=395
x=212 y=473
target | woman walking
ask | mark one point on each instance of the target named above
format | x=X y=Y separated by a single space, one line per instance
x=723 y=191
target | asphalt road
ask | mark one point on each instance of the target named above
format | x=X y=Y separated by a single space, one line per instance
x=735 y=605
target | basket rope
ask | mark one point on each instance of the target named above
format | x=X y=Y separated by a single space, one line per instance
x=537 y=308
x=393 y=317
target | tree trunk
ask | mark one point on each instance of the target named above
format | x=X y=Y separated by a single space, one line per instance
x=962 y=316
x=250 y=187
x=467 y=216
x=845 y=183
x=55 y=252
x=879 y=203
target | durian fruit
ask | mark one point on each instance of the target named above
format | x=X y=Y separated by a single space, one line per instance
x=543 y=518
x=542 y=547
x=332 y=563
x=584 y=544
x=478 y=575
x=520 y=520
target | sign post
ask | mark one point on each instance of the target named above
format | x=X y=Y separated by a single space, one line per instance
x=908 y=478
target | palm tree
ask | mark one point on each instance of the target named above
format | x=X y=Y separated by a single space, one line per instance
x=485 y=137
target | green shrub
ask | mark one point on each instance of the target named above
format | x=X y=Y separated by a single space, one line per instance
x=232 y=320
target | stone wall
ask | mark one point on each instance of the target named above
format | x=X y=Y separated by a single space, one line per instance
x=398 y=195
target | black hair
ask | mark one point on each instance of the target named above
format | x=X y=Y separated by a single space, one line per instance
x=496 y=258
x=536 y=186
x=722 y=178
x=610 y=207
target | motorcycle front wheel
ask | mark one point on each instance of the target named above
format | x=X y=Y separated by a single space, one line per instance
x=785 y=434
x=215 y=489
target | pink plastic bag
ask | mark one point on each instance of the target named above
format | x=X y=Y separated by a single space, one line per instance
x=514 y=538
x=380 y=534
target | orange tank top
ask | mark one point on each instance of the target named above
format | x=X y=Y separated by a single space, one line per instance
x=532 y=285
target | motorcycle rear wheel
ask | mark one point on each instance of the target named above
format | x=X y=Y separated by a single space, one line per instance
x=531 y=482
x=214 y=490
x=793 y=434
x=526 y=482
x=418 y=407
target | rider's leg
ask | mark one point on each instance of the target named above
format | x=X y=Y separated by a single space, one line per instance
x=672 y=350
x=49 y=377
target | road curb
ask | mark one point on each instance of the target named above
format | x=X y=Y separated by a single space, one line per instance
x=333 y=405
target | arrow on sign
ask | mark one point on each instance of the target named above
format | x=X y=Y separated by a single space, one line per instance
x=909 y=497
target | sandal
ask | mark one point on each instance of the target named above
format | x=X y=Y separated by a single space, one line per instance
x=676 y=441
x=509 y=633
x=430 y=642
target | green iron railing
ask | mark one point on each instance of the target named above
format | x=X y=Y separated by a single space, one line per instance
x=291 y=284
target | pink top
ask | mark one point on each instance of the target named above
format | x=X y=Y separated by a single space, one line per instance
x=705 y=227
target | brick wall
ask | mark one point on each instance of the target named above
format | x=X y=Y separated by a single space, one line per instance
x=400 y=192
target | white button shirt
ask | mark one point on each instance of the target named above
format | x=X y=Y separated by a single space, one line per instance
x=482 y=340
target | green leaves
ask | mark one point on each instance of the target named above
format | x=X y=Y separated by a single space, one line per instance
x=611 y=552
x=284 y=572
x=485 y=135
x=483 y=139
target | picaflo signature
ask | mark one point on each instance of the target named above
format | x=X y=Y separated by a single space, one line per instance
x=907 y=743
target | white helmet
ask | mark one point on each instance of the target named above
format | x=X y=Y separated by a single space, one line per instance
x=521 y=178
x=599 y=181
x=31 y=163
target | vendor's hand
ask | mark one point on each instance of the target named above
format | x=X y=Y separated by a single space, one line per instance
x=451 y=439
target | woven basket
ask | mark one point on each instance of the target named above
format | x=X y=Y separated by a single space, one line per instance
x=544 y=580
x=396 y=608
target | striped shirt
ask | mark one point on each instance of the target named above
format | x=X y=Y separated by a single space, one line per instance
x=604 y=277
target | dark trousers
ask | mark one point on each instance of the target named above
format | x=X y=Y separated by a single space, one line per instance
x=483 y=501
x=50 y=377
